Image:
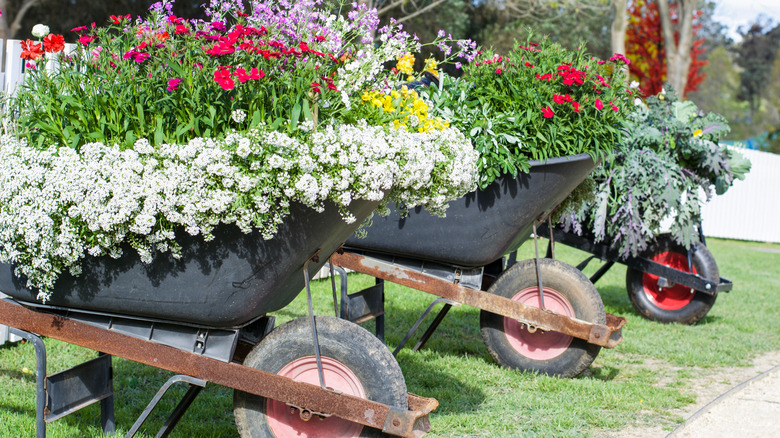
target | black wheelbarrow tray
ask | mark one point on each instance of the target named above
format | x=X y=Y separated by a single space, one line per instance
x=200 y=316
x=538 y=315
x=666 y=283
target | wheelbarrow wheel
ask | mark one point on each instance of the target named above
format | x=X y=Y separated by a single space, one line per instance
x=353 y=360
x=677 y=303
x=566 y=291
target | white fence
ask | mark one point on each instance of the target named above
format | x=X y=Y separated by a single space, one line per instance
x=750 y=209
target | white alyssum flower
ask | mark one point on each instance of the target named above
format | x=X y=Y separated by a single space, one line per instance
x=59 y=205
x=40 y=30
x=238 y=116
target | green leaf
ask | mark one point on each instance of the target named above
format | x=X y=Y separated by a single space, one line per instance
x=295 y=115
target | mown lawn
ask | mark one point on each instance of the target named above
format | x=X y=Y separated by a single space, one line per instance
x=640 y=381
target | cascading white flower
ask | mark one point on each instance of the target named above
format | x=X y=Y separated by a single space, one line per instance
x=58 y=206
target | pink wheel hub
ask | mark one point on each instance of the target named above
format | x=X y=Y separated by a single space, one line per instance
x=285 y=421
x=668 y=298
x=539 y=345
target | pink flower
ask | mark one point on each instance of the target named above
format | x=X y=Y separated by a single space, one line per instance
x=614 y=108
x=548 y=112
x=621 y=58
x=86 y=39
x=78 y=29
x=254 y=74
x=224 y=78
x=173 y=84
x=599 y=104
x=498 y=71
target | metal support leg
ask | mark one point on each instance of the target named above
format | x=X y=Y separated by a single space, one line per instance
x=107 y=408
x=538 y=269
x=313 y=324
x=40 y=378
x=601 y=271
x=196 y=385
x=432 y=327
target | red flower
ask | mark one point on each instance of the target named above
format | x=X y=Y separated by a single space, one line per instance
x=316 y=87
x=548 y=112
x=86 y=39
x=528 y=64
x=53 y=43
x=599 y=105
x=547 y=77
x=614 y=108
x=181 y=28
x=31 y=50
x=498 y=71
x=117 y=18
x=557 y=98
x=567 y=98
x=224 y=78
x=576 y=107
x=221 y=48
x=254 y=74
x=78 y=29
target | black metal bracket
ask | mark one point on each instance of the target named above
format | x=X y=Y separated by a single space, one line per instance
x=431 y=328
x=66 y=392
x=196 y=385
x=363 y=305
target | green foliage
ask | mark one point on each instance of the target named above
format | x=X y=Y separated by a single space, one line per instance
x=670 y=152
x=537 y=102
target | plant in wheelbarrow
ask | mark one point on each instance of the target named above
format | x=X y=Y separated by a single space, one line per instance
x=541 y=117
x=670 y=162
x=187 y=171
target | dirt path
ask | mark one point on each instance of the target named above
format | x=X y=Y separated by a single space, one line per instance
x=709 y=386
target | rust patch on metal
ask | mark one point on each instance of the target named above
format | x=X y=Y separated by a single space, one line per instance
x=599 y=334
x=233 y=375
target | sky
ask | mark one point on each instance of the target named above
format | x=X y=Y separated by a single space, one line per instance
x=735 y=13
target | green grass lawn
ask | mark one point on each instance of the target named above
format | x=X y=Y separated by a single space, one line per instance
x=641 y=381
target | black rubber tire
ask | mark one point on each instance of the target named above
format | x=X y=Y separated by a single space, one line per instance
x=568 y=282
x=348 y=343
x=704 y=264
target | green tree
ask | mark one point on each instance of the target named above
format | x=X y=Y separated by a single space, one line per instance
x=756 y=55
x=718 y=93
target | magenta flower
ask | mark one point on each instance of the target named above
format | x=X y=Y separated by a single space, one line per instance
x=548 y=112
x=599 y=104
x=173 y=84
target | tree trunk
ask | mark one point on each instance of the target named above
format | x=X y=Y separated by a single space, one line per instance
x=678 y=52
x=9 y=30
x=619 y=26
x=618 y=31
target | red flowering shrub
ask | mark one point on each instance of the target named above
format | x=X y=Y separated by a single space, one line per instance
x=536 y=102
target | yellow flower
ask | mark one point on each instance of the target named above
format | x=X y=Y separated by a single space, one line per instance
x=431 y=65
x=697 y=133
x=405 y=64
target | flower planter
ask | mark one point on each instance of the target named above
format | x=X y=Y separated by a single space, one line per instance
x=485 y=224
x=226 y=282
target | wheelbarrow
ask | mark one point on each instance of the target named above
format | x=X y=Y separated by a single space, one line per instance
x=537 y=315
x=206 y=318
x=665 y=283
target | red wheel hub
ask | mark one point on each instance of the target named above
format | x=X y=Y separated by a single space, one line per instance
x=539 y=345
x=285 y=421
x=668 y=298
